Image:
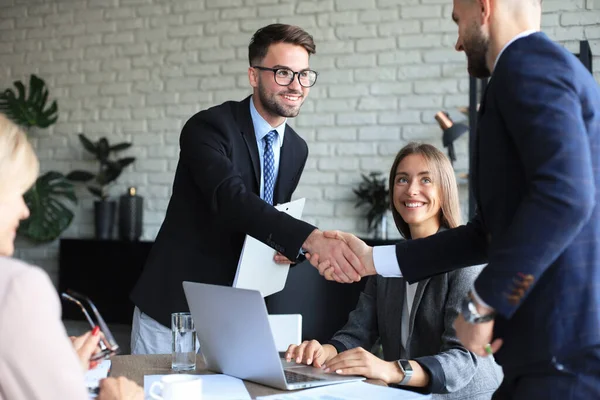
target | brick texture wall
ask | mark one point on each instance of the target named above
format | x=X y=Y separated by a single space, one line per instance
x=137 y=69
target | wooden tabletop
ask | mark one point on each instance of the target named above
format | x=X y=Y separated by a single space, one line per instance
x=135 y=367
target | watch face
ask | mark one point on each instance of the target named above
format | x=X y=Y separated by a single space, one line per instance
x=405 y=365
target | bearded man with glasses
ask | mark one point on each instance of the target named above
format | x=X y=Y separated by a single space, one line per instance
x=237 y=161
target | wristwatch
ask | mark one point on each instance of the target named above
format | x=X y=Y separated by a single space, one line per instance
x=406 y=369
x=469 y=312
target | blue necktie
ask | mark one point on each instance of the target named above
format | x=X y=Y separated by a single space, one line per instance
x=269 y=166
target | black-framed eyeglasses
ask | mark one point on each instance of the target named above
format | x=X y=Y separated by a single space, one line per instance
x=285 y=76
x=108 y=344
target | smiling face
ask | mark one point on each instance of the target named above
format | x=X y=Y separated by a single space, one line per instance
x=18 y=169
x=12 y=211
x=417 y=196
x=272 y=101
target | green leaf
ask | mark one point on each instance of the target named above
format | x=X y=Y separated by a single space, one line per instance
x=120 y=146
x=96 y=191
x=126 y=161
x=80 y=176
x=103 y=150
x=109 y=172
x=49 y=215
x=87 y=144
x=29 y=110
x=372 y=192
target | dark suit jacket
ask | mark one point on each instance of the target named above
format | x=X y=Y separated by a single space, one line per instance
x=215 y=203
x=536 y=184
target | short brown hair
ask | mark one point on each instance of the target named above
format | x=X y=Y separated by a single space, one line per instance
x=277 y=33
x=443 y=177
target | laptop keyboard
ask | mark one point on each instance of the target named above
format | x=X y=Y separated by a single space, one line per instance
x=293 y=377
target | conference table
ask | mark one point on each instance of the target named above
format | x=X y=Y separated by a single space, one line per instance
x=135 y=367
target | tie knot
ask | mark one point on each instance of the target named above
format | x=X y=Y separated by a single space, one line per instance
x=270 y=137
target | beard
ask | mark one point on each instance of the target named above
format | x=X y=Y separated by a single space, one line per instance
x=476 y=48
x=273 y=106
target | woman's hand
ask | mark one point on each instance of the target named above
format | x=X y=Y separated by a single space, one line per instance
x=310 y=352
x=85 y=346
x=359 y=361
x=120 y=388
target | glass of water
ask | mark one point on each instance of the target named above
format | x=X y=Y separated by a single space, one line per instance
x=183 y=342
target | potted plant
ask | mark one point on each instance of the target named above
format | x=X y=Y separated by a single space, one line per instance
x=49 y=214
x=109 y=170
x=373 y=193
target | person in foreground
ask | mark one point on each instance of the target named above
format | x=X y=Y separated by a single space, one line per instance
x=413 y=321
x=237 y=161
x=37 y=359
x=536 y=183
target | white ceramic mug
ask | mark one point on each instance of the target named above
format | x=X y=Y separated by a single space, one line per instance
x=177 y=387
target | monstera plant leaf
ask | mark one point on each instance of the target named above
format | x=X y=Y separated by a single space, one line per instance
x=29 y=109
x=49 y=214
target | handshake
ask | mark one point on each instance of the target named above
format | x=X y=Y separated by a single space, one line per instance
x=339 y=256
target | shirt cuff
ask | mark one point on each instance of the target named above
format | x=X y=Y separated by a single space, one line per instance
x=386 y=263
x=437 y=378
x=478 y=299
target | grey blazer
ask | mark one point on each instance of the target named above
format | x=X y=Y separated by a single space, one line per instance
x=455 y=372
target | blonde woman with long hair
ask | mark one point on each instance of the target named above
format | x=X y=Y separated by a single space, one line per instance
x=412 y=322
x=37 y=359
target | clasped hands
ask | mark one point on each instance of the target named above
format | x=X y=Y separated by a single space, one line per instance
x=339 y=256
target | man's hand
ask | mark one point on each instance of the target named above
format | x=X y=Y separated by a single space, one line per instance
x=359 y=361
x=477 y=337
x=281 y=259
x=347 y=266
x=360 y=249
x=310 y=352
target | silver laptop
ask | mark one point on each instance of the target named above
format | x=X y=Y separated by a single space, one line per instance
x=235 y=338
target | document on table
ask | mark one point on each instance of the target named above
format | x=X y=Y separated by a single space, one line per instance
x=214 y=387
x=256 y=269
x=349 y=391
x=94 y=376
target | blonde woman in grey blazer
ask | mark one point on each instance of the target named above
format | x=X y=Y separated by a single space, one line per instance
x=413 y=323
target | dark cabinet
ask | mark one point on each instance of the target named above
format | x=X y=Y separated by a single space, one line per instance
x=103 y=270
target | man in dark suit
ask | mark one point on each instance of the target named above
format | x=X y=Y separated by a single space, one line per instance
x=536 y=183
x=237 y=160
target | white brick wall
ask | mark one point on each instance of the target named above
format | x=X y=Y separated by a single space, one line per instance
x=137 y=69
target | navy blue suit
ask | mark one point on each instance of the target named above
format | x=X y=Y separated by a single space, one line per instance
x=537 y=188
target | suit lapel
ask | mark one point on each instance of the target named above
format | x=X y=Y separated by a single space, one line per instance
x=287 y=162
x=475 y=180
x=245 y=121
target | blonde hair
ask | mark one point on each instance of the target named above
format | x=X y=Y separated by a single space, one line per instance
x=443 y=177
x=18 y=163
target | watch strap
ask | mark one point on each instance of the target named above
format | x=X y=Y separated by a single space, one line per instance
x=406 y=369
